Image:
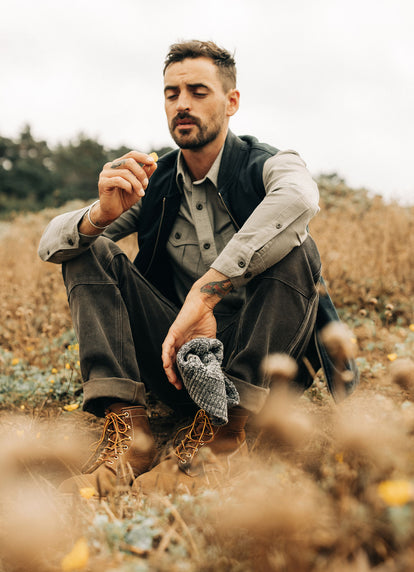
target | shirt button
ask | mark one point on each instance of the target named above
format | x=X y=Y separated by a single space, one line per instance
x=206 y=245
x=279 y=225
x=242 y=264
x=70 y=241
x=199 y=207
x=177 y=235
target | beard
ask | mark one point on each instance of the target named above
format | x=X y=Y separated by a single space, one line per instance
x=204 y=133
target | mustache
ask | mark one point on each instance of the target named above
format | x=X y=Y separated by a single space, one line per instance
x=184 y=115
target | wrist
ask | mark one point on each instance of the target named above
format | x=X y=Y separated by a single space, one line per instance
x=97 y=218
x=212 y=288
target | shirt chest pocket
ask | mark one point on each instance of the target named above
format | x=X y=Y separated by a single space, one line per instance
x=182 y=236
x=184 y=250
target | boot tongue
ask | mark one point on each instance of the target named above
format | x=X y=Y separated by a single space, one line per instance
x=117 y=407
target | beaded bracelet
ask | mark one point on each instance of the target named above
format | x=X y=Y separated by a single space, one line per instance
x=88 y=212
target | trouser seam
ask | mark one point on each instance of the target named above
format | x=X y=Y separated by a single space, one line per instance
x=297 y=341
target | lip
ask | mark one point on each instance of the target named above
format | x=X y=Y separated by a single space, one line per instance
x=184 y=122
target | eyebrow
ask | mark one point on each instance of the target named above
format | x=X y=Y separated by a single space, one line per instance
x=190 y=85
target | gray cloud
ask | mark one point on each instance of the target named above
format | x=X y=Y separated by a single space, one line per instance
x=332 y=79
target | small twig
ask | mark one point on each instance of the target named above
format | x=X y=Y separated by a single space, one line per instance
x=109 y=512
x=166 y=539
x=133 y=549
x=182 y=523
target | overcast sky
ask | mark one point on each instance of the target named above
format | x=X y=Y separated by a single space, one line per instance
x=331 y=79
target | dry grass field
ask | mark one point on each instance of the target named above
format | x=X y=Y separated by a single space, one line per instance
x=327 y=488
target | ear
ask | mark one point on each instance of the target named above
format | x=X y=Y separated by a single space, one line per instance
x=233 y=102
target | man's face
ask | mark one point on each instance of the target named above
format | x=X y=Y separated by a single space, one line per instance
x=195 y=103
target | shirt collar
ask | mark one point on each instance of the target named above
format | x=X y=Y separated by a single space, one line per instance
x=212 y=175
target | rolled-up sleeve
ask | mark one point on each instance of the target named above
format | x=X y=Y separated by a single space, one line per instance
x=62 y=240
x=277 y=225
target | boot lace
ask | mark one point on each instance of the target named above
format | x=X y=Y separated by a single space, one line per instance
x=196 y=435
x=116 y=432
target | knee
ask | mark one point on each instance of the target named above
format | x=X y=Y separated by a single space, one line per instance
x=91 y=264
x=300 y=270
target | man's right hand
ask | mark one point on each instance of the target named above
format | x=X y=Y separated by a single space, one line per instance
x=122 y=183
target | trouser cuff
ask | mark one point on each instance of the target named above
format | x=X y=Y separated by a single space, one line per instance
x=97 y=390
x=252 y=397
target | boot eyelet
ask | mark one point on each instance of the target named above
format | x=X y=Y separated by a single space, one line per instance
x=110 y=462
x=128 y=426
x=116 y=457
x=183 y=462
x=126 y=414
x=125 y=447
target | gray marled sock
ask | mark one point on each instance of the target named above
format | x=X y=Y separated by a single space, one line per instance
x=199 y=364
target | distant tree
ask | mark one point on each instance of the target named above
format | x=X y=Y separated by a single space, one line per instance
x=33 y=176
x=27 y=176
x=78 y=165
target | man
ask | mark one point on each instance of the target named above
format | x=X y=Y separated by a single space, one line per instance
x=224 y=253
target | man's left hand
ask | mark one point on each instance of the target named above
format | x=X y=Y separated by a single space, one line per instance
x=195 y=319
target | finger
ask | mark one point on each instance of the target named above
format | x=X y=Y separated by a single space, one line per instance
x=147 y=162
x=109 y=183
x=168 y=357
x=136 y=185
x=172 y=378
x=129 y=164
x=142 y=158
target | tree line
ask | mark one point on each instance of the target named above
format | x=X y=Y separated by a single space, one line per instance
x=34 y=175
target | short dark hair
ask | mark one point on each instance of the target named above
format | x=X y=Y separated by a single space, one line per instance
x=193 y=49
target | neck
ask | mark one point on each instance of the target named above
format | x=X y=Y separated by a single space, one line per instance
x=199 y=161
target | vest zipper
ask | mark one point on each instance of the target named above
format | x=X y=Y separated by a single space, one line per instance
x=158 y=237
x=228 y=212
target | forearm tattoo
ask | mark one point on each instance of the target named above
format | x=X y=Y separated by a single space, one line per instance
x=219 y=289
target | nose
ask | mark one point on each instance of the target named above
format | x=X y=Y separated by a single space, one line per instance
x=183 y=102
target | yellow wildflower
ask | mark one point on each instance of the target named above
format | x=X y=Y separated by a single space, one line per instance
x=67 y=365
x=77 y=558
x=15 y=361
x=411 y=327
x=29 y=348
x=339 y=458
x=54 y=370
x=22 y=407
x=87 y=492
x=392 y=357
x=51 y=381
x=71 y=407
x=396 y=493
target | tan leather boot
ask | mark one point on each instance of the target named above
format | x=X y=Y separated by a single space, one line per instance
x=205 y=456
x=128 y=452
